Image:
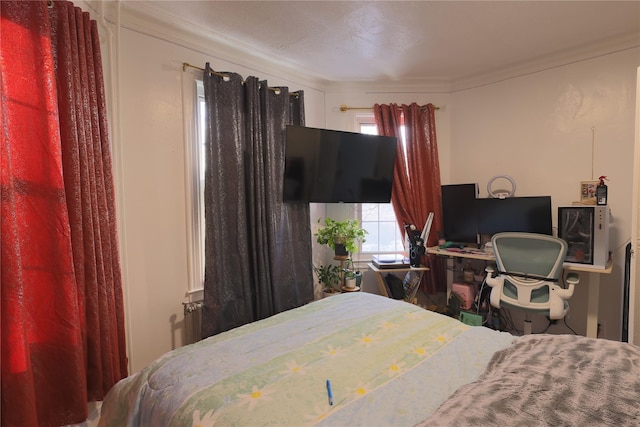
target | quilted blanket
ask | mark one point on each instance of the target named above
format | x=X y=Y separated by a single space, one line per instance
x=551 y=380
x=390 y=363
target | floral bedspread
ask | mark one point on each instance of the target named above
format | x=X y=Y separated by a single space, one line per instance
x=389 y=363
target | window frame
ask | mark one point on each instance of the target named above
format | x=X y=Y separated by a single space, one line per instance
x=361 y=120
x=193 y=98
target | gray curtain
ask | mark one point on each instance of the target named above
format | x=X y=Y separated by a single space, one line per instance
x=257 y=249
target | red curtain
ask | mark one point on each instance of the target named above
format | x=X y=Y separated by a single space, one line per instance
x=63 y=341
x=416 y=180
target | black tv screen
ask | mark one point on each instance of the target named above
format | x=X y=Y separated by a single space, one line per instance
x=458 y=216
x=521 y=214
x=329 y=166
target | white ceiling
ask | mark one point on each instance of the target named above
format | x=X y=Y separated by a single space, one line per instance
x=410 y=41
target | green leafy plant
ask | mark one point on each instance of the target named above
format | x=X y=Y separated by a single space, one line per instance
x=329 y=276
x=347 y=233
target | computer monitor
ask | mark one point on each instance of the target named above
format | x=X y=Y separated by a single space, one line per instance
x=522 y=214
x=458 y=217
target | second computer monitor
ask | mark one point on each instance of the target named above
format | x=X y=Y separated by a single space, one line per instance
x=522 y=214
x=458 y=216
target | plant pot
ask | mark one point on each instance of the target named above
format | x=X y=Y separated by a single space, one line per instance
x=340 y=250
x=350 y=282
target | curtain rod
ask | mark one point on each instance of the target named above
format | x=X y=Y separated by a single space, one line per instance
x=225 y=77
x=186 y=65
x=344 y=108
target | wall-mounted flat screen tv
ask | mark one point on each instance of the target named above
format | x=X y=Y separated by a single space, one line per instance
x=329 y=166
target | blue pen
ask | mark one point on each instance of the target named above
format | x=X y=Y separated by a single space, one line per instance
x=329 y=392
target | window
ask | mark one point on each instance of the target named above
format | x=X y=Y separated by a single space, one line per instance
x=195 y=120
x=379 y=219
x=200 y=161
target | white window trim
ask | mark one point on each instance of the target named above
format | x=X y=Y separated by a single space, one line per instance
x=360 y=119
x=195 y=265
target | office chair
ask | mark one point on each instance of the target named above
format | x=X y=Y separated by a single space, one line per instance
x=529 y=267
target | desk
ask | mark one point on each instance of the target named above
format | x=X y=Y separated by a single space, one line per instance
x=381 y=283
x=593 y=297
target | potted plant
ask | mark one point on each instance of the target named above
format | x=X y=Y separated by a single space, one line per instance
x=341 y=236
x=352 y=277
x=349 y=279
x=329 y=277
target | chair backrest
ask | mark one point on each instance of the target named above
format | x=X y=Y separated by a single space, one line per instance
x=535 y=255
x=529 y=268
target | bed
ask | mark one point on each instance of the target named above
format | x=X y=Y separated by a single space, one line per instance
x=389 y=363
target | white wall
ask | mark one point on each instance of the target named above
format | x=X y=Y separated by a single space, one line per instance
x=538 y=130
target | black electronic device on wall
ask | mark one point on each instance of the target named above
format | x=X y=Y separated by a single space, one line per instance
x=329 y=166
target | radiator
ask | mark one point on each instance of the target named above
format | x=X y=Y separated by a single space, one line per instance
x=192 y=322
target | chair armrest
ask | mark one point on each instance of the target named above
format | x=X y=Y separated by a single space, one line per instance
x=566 y=293
x=562 y=292
x=573 y=278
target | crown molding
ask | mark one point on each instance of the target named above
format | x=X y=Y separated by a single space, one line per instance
x=545 y=63
x=142 y=17
x=425 y=85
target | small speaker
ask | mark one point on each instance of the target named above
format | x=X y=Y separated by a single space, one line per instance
x=415 y=255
